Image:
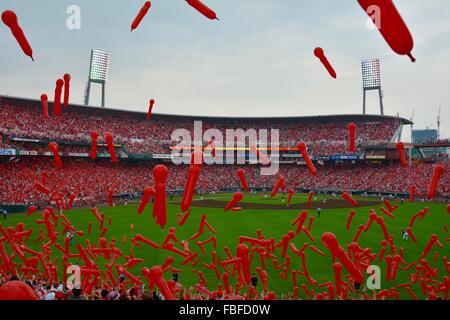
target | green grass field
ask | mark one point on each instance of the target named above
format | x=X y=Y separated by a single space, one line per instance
x=229 y=226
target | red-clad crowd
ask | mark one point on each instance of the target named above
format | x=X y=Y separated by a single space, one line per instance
x=139 y=136
x=89 y=181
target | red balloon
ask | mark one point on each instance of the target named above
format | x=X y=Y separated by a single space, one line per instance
x=318 y=52
x=241 y=175
x=349 y=220
x=242 y=253
x=148 y=193
x=200 y=7
x=237 y=197
x=94 y=137
x=67 y=79
x=392 y=27
x=141 y=15
x=448 y=208
x=310 y=196
x=44 y=103
x=300 y=220
x=349 y=199
x=183 y=219
x=150 y=108
x=9 y=18
x=438 y=171
x=57 y=100
x=89 y=227
x=109 y=141
x=71 y=200
x=160 y=173
x=304 y=152
x=402 y=154
x=31 y=210
x=433 y=240
x=329 y=240
x=155 y=277
x=290 y=194
x=194 y=173
x=352 y=137
x=17 y=290
x=53 y=146
x=263 y=277
x=280 y=184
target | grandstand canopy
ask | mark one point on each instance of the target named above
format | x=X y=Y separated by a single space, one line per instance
x=189 y=118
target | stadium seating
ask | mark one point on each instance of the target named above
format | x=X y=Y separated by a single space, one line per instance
x=143 y=137
x=90 y=180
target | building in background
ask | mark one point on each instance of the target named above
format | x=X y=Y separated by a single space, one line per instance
x=424 y=136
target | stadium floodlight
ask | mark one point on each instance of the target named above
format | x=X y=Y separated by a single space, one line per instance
x=98 y=73
x=371 y=79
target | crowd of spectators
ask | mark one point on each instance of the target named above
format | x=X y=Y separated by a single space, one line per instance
x=90 y=180
x=140 y=136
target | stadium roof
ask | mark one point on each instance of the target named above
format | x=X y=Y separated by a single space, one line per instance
x=187 y=118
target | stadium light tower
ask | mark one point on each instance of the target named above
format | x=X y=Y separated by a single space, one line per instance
x=371 y=79
x=98 y=73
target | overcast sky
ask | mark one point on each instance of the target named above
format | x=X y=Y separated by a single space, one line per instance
x=256 y=61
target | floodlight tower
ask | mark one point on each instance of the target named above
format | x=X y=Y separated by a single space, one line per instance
x=371 y=79
x=98 y=73
x=439 y=124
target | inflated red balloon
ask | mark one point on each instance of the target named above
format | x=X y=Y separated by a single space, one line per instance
x=276 y=188
x=141 y=15
x=57 y=100
x=438 y=171
x=242 y=253
x=53 y=146
x=349 y=199
x=310 y=196
x=244 y=184
x=142 y=239
x=290 y=194
x=237 y=197
x=193 y=175
x=402 y=154
x=89 y=227
x=160 y=173
x=352 y=137
x=9 y=18
x=318 y=52
x=304 y=152
x=150 y=109
x=17 y=290
x=392 y=27
x=94 y=137
x=433 y=240
x=329 y=240
x=67 y=79
x=448 y=208
x=44 y=103
x=109 y=141
x=148 y=193
x=183 y=219
x=349 y=220
x=31 y=210
x=155 y=277
x=203 y=9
